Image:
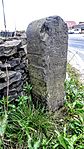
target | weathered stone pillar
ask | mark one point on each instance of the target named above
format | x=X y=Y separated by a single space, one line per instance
x=47 y=54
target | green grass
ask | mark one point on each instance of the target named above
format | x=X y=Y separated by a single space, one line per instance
x=25 y=127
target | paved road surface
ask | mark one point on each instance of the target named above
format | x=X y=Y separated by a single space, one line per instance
x=76 y=41
x=76 y=52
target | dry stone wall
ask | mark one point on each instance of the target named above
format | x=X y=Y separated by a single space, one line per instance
x=13 y=66
x=47 y=41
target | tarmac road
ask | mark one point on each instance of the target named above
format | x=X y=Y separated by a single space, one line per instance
x=76 y=53
x=76 y=41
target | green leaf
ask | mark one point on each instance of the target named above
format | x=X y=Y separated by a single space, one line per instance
x=65 y=131
x=37 y=144
x=3 y=124
x=56 y=145
x=61 y=140
x=30 y=142
x=71 y=141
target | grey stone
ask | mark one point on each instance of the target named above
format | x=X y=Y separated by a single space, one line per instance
x=1 y=40
x=25 y=48
x=5 y=65
x=47 y=42
x=13 y=76
x=9 y=48
x=14 y=62
x=37 y=72
x=22 y=53
x=36 y=60
x=4 y=75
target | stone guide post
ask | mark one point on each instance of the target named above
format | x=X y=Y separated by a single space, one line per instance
x=47 y=42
